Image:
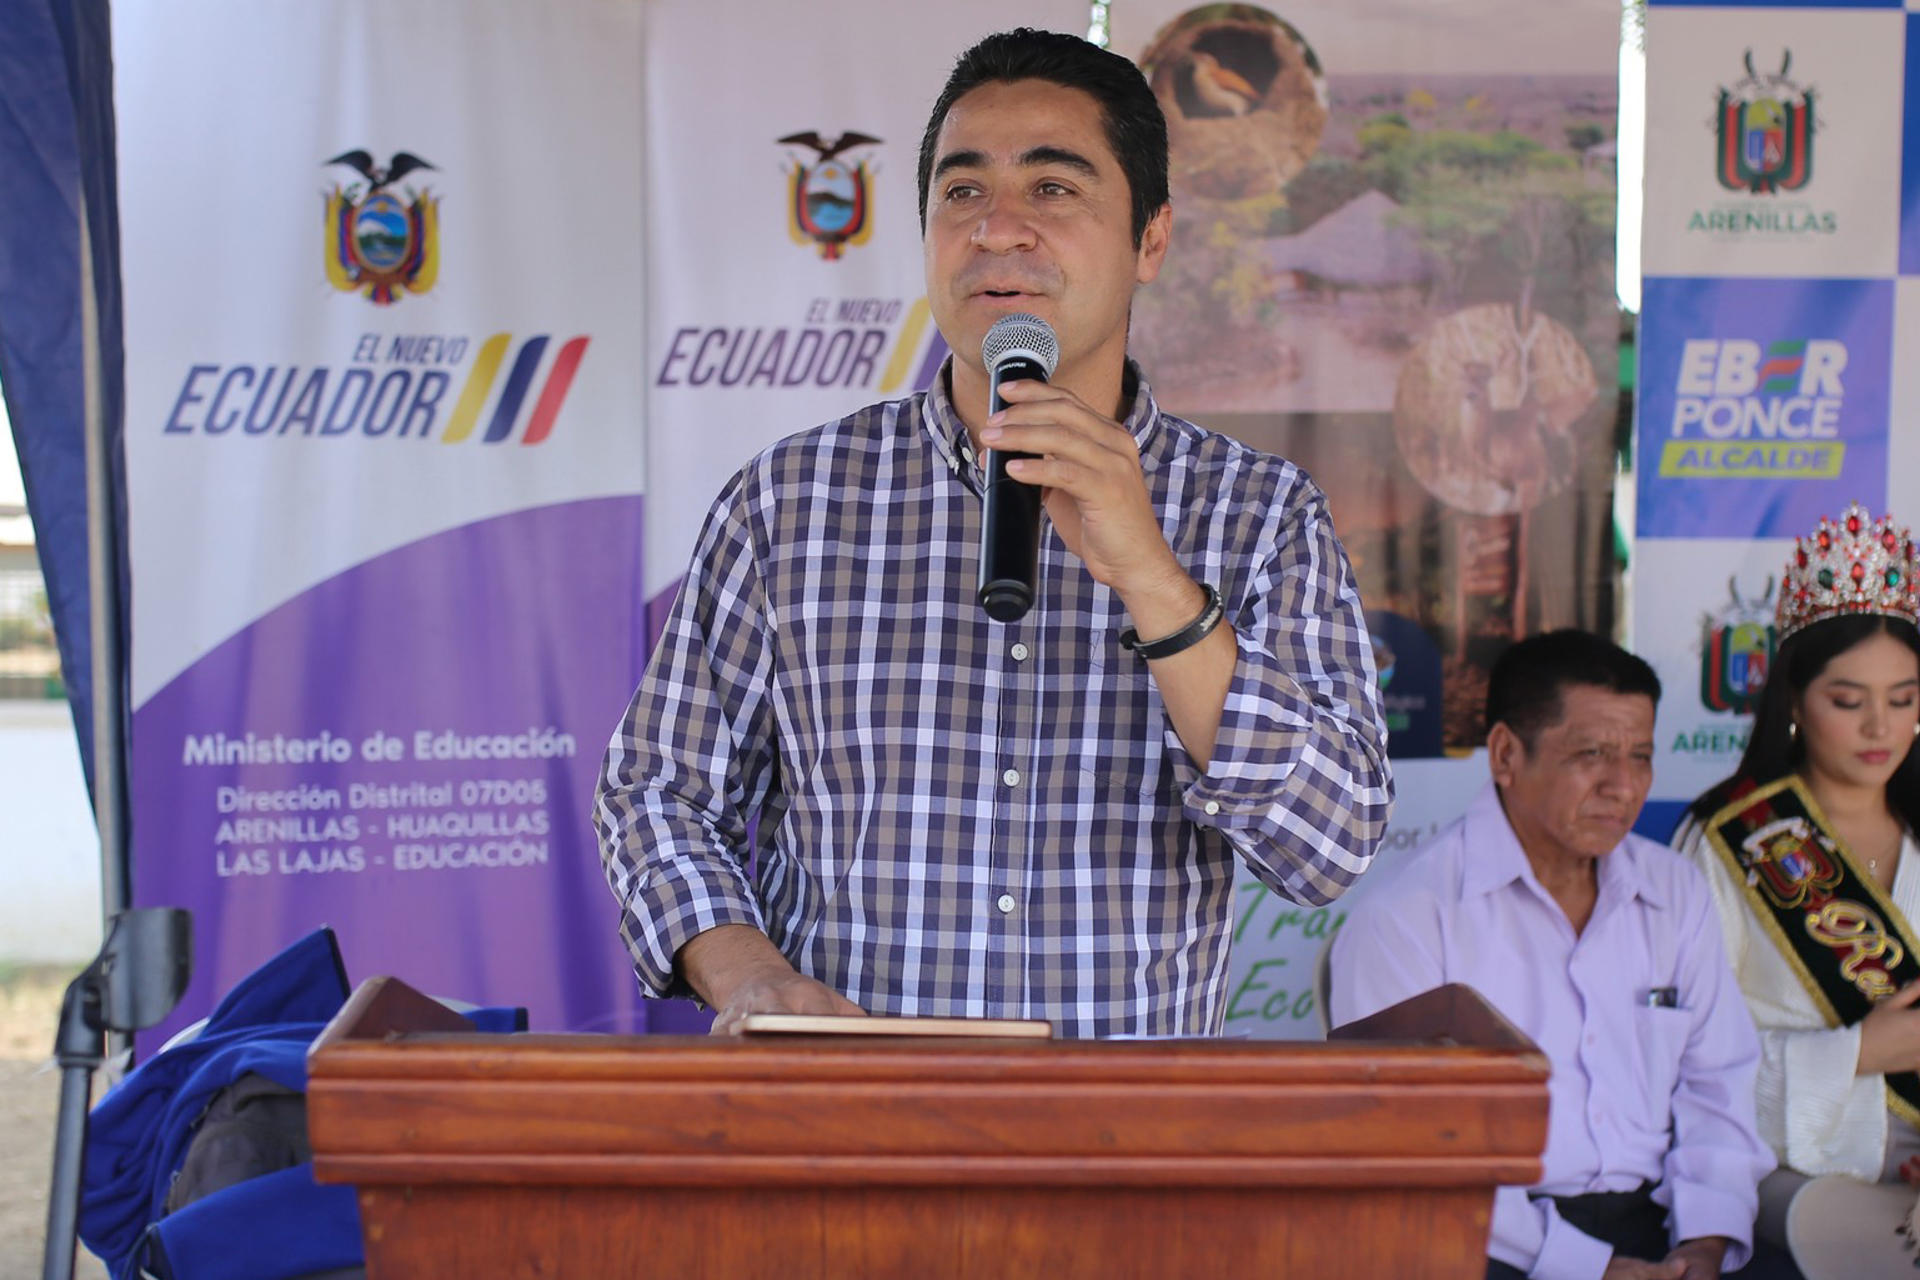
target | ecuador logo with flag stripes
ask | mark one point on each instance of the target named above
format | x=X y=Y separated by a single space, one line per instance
x=396 y=387
x=506 y=410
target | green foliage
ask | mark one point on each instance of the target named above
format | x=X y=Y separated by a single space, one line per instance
x=1584 y=135
x=24 y=633
x=1263 y=215
x=1470 y=195
x=1500 y=215
x=1320 y=188
x=1383 y=133
x=1246 y=288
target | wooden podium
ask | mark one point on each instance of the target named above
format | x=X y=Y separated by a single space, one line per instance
x=616 y=1156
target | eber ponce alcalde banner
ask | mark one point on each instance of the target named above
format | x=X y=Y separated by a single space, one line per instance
x=1782 y=250
x=384 y=473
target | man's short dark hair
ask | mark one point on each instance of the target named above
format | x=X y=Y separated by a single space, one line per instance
x=1136 y=129
x=1526 y=690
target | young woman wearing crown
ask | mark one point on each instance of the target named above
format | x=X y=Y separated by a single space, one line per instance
x=1810 y=852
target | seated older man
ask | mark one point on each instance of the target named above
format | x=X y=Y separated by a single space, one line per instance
x=1601 y=946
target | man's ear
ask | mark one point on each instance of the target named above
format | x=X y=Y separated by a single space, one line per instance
x=1505 y=753
x=1153 y=244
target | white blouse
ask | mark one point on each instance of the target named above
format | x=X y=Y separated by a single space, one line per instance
x=1816 y=1114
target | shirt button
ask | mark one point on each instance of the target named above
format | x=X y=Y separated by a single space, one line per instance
x=1020 y=652
x=1212 y=807
x=1005 y=903
x=1011 y=777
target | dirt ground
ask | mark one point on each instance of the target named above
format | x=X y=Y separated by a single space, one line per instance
x=29 y=1096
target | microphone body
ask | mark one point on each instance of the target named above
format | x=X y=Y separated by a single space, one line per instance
x=1017 y=347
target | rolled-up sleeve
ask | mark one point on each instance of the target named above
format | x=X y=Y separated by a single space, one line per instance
x=1529 y=1234
x=691 y=758
x=1298 y=779
x=1714 y=1166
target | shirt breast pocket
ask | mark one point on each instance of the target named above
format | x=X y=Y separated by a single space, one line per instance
x=1121 y=722
x=1662 y=1035
x=1103 y=651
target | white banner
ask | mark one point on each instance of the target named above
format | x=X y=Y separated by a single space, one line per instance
x=384 y=458
x=530 y=120
x=784 y=240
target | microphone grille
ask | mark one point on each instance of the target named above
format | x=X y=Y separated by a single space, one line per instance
x=1021 y=334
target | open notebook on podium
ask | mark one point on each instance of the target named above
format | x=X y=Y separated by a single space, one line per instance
x=831 y=1024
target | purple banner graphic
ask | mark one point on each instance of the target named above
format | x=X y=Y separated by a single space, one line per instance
x=404 y=755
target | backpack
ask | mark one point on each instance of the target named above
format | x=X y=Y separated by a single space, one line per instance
x=252 y=1128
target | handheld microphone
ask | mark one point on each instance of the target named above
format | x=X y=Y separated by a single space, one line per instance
x=1017 y=346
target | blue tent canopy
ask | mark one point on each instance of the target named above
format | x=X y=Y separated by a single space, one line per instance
x=60 y=360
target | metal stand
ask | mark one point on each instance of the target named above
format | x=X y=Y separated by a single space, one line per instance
x=133 y=983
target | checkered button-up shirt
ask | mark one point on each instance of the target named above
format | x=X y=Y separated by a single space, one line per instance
x=964 y=817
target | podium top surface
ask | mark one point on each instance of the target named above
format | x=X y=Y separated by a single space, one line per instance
x=1450 y=1034
x=397 y=1094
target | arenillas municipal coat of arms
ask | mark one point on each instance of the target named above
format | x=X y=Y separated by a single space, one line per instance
x=1764 y=126
x=1736 y=651
x=379 y=243
x=829 y=202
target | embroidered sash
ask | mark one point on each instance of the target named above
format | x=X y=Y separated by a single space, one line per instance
x=1843 y=937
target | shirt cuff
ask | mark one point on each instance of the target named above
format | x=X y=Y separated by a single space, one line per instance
x=1265 y=723
x=669 y=912
x=1300 y=791
x=1700 y=1210
x=1569 y=1253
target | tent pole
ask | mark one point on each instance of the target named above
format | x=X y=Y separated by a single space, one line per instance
x=109 y=750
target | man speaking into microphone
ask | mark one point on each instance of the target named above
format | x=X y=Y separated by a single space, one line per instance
x=846 y=784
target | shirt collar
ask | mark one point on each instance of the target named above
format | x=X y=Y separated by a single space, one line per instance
x=1498 y=860
x=949 y=434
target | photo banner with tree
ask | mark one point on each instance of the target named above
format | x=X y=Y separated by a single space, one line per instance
x=1394 y=267
x=1393 y=264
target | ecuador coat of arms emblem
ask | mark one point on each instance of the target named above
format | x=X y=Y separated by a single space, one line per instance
x=379 y=243
x=828 y=202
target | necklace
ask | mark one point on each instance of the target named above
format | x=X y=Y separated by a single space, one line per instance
x=1873 y=864
x=1889 y=855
